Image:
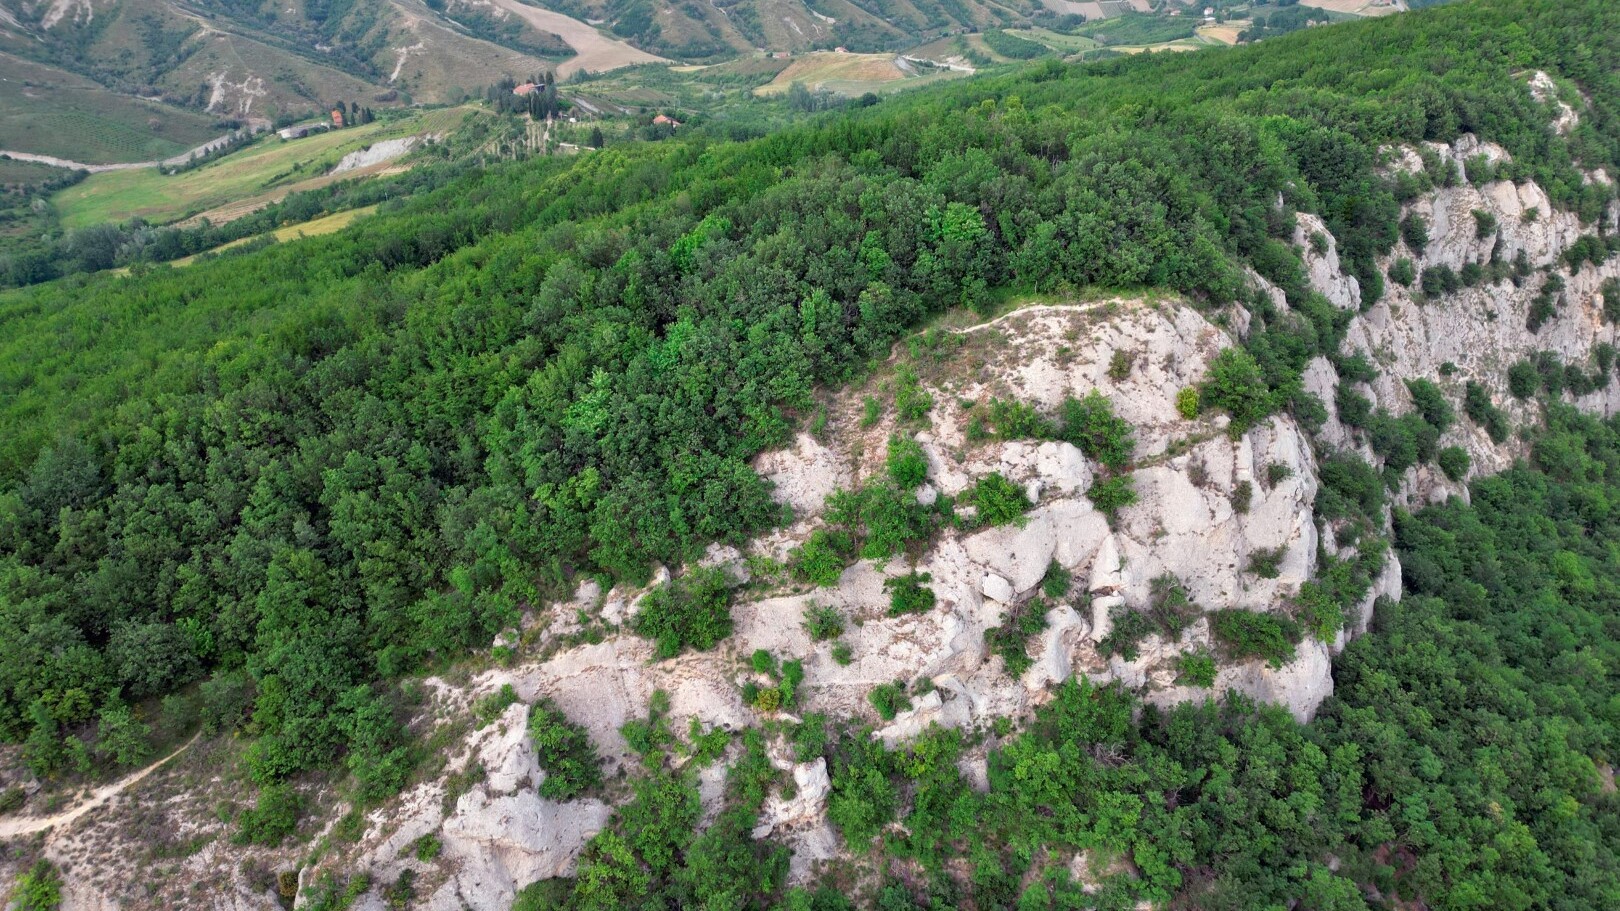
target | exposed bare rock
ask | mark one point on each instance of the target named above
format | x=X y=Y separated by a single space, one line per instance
x=1327 y=276
x=803 y=475
x=808 y=803
x=1054 y=649
x=505 y=843
x=1544 y=90
x=996 y=588
x=1067 y=530
x=1478 y=333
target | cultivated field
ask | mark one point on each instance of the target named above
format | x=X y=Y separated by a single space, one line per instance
x=850 y=74
x=238 y=183
x=1069 y=44
x=48 y=111
x=315 y=227
x=1354 y=7
x=1225 y=34
x=14 y=173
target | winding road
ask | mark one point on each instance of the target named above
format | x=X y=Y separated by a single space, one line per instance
x=28 y=825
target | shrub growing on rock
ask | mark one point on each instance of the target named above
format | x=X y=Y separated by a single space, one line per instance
x=39 y=889
x=1090 y=424
x=907 y=465
x=564 y=751
x=998 y=500
x=1196 y=669
x=1247 y=634
x=1015 y=420
x=693 y=611
x=1267 y=562
x=1010 y=640
x=1454 y=461
x=910 y=401
x=909 y=595
x=272 y=818
x=1110 y=495
x=1415 y=231
x=1187 y=402
x=1431 y=403
x=882 y=517
x=820 y=560
x=488 y=707
x=1236 y=385
x=1439 y=280
x=1055 y=584
x=1523 y=379
x=810 y=737
x=863 y=796
x=1481 y=410
x=823 y=622
x=1168 y=612
x=889 y=699
x=1242 y=495
x=1402 y=272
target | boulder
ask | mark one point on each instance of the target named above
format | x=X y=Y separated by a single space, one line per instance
x=996 y=588
x=502 y=844
x=808 y=803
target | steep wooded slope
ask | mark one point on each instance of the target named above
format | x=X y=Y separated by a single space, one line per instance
x=304 y=471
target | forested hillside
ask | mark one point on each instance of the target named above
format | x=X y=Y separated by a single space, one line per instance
x=290 y=476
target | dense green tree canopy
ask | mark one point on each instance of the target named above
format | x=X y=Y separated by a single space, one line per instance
x=308 y=468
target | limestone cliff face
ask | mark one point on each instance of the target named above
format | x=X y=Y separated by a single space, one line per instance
x=1474 y=333
x=1190 y=523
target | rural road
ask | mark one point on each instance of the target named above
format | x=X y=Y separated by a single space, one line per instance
x=594 y=52
x=171 y=161
x=28 y=825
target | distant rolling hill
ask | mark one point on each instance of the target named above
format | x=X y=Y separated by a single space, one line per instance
x=245 y=59
x=176 y=70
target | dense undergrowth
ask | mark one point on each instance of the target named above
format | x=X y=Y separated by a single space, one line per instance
x=294 y=474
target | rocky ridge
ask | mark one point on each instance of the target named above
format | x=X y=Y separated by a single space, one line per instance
x=498 y=834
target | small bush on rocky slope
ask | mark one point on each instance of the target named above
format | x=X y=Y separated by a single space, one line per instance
x=909 y=594
x=881 y=519
x=907 y=465
x=821 y=559
x=1055 y=584
x=1196 y=669
x=564 y=751
x=1110 y=495
x=889 y=699
x=1010 y=640
x=1090 y=423
x=272 y=818
x=1235 y=385
x=489 y=706
x=693 y=611
x=1247 y=634
x=823 y=622
x=37 y=889
x=998 y=501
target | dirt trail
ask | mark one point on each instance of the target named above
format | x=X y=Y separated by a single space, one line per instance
x=594 y=51
x=27 y=825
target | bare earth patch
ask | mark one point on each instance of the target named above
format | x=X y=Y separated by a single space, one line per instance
x=594 y=51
